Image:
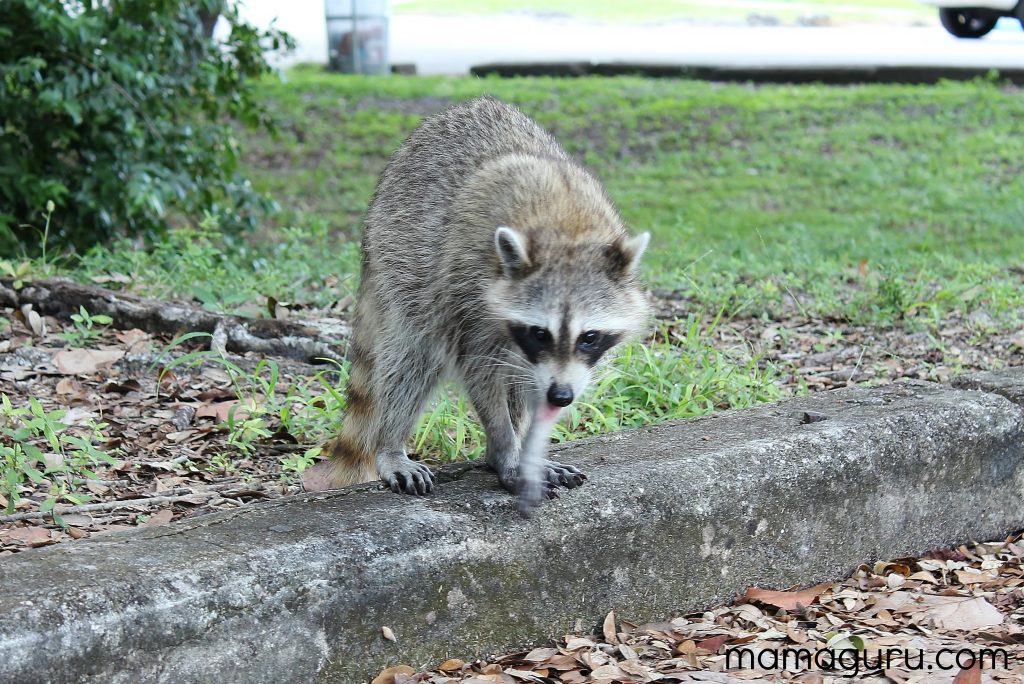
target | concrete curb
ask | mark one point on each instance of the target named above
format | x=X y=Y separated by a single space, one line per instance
x=834 y=75
x=674 y=517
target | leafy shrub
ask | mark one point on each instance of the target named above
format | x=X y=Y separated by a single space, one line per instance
x=119 y=111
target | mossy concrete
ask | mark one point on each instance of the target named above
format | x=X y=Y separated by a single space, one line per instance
x=673 y=518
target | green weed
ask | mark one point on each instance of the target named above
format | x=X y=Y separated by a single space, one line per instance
x=85 y=328
x=37 y=448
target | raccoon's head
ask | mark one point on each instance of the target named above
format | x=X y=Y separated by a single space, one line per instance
x=564 y=304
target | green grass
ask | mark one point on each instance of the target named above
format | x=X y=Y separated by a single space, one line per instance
x=868 y=202
x=880 y=205
x=895 y=11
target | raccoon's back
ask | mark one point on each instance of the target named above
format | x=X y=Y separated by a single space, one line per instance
x=405 y=228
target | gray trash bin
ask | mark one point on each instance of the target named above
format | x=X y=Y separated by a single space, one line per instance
x=357 y=36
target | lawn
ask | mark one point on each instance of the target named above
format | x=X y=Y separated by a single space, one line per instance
x=865 y=203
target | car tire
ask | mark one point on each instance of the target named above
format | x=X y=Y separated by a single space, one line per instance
x=966 y=23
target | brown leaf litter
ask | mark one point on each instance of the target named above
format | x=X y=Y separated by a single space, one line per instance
x=907 y=621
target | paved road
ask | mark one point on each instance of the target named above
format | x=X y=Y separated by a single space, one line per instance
x=453 y=44
x=450 y=45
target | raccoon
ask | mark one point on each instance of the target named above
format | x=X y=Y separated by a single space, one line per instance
x=489 y=256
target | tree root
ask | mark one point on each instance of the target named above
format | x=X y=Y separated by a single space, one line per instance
x=304 y=341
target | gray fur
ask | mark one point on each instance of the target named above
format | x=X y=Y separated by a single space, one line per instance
x=480 y=221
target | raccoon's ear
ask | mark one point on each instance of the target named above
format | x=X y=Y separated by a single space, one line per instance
x=624 y=256
x=511 y=250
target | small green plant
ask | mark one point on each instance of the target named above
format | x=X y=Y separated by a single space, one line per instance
x=17 y=272
x=37 y=449
x=676 y=375
x=892 y=296
x=85 y=330
x=295 y=464
x=246 y=432
x=221 y=462
x=832 y=338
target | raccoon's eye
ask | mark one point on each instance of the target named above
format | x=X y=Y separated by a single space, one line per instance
x=540 y=334
x=588 y=339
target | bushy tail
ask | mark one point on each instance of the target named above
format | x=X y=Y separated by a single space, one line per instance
x=351 y=458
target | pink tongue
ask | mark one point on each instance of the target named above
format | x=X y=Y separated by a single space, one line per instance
x=547 y=412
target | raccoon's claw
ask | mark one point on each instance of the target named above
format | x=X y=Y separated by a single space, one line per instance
x=411 y=478
x=559 y=475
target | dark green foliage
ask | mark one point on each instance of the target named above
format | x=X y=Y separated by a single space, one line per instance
x=119 y=112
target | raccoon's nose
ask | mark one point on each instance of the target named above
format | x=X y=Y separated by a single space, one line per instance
x=560 y=395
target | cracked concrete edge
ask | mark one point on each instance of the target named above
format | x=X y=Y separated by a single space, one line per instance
x=674 y=518
x=1007 y=383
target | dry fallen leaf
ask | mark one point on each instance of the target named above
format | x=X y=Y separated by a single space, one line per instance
x=713 y=644
x=222 y=409
x=787 y=600
x=451 y=664
x=628 y=652
x=32 y=320
x=607 y=672
x=971 y=577
x=578 y=643
x=29 y=536
x=136 y=340
x=969 y=675
x=539 y=655
x=388 y=676
x=161 y=517
x=609 y=628
x=955 y=612
x=65 y=386
x=84 y=361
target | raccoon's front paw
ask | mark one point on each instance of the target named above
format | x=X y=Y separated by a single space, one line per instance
x=513 y=482
x=559 y=475
x=509 y=479
x=408 y=477
x=531 y=493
